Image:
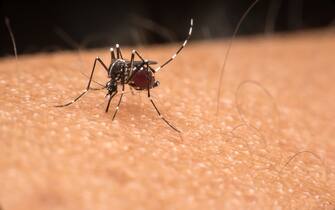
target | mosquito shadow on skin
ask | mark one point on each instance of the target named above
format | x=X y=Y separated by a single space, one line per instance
x=257 y=108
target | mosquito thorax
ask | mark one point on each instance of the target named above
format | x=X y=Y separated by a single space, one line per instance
x=116 y=67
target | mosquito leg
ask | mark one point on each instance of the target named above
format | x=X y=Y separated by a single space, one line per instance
x=98 y=83
x=112 y=54
x=109 y=100
x=88 y=85
x=138 y=54
x=118 y=52
x=130 y=75
x=179 y=49
x=159 y=113
x=118 y=105
x=145 y=61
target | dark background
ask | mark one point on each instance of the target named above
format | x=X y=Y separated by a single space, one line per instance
x=50 y=25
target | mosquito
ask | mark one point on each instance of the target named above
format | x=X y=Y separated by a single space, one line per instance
x=138 y=74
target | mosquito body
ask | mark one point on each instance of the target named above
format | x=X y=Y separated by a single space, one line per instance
x=138 y=74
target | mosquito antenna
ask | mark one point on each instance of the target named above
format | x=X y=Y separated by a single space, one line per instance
x=67 y=38
x=7 y=22
x=94 y=89
x=98 y=83
x=180 y=48
x=72 y=43
x=228 y=51
x=153 y=27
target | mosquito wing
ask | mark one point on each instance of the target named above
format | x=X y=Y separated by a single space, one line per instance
x=139 y=63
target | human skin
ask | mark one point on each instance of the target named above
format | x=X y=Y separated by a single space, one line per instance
x=260 y=151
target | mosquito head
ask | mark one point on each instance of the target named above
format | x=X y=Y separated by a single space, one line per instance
x=111 y=87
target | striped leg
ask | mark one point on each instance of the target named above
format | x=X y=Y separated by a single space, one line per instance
x=118 y=105
x=109 y=100
x=159 y=113
x=135 y=51
x=180 y=48
x=118 y=52
x=149 y=62
x=131 y=66
x=112 y=54
x=88 y=85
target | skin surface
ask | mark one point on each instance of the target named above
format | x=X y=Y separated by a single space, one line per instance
x=77 y=158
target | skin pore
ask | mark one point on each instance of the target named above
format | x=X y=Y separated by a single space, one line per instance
x=271 y=146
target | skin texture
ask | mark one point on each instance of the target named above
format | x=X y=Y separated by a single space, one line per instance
x=77 y=158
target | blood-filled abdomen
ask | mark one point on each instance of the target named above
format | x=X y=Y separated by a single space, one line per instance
x=142 y=80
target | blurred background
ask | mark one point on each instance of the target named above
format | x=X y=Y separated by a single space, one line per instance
x=47 y=26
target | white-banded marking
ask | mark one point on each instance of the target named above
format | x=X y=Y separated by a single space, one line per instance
x=179 y=50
